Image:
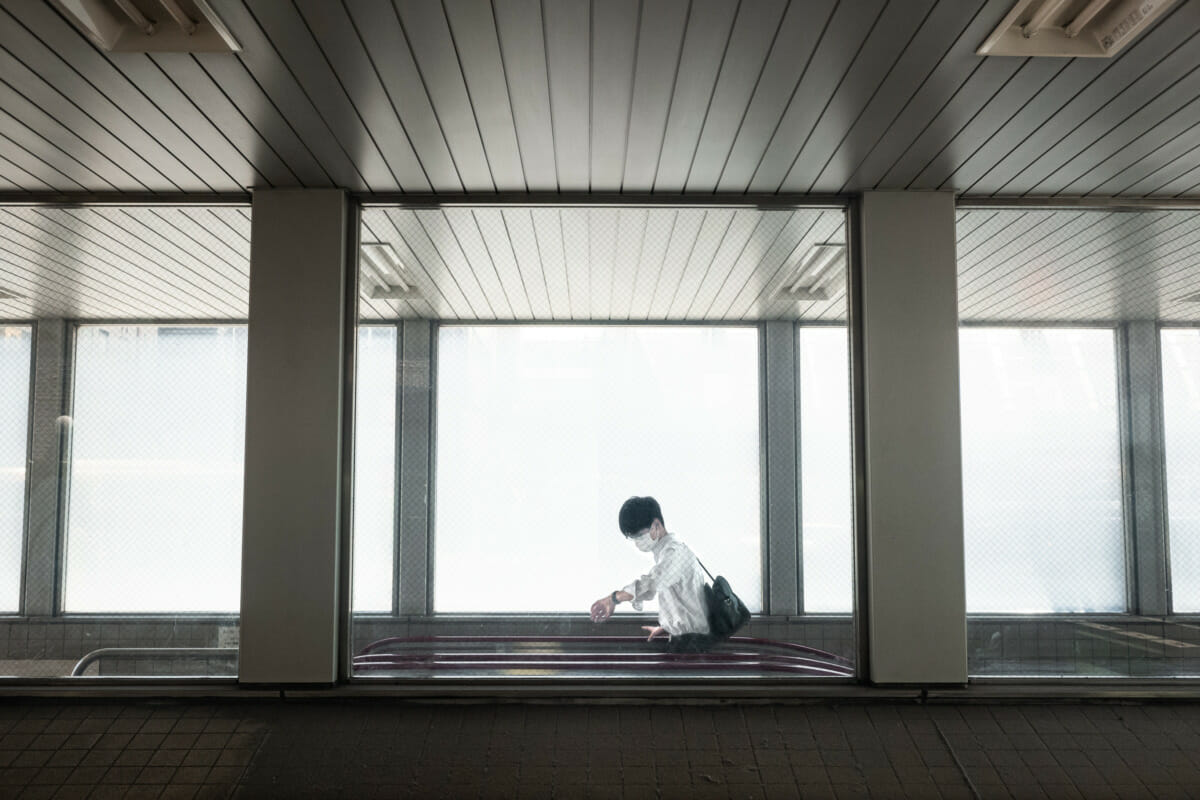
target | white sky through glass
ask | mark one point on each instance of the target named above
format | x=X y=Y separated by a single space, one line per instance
x=543 y=431
x=158 y=445
x=1043 y=519
x=826 y=477
x=374 y=468
x=1181 y=422
x=16 y=343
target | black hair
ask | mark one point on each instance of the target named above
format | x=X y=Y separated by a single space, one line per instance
x=638 y=513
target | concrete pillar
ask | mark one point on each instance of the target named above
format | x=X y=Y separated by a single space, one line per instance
x=290 y=547
x=916 y=590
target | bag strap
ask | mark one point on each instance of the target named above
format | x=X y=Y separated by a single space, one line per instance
x=701 y=563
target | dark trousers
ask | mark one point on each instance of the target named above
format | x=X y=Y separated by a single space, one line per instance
x=691 y=643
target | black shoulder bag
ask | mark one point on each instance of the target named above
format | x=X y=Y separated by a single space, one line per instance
x=726 y=611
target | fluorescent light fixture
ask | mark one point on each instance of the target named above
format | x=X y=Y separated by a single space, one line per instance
x=5 y=294
x=389 y=272
x=145 y=26
x=135 y=16
x=177 y=14
x=820 y=262
x=1057 y=28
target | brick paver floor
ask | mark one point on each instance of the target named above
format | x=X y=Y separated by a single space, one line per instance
x=388 y=748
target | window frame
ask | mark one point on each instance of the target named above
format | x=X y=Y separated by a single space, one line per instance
x=857 y=618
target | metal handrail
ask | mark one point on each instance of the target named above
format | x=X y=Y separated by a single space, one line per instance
x=151 y=653
x=551 y=639
x=739 y=651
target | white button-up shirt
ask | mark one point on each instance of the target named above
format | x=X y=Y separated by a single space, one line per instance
x=678 y=582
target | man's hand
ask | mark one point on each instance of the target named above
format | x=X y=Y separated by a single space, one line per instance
x=602 y=609
x=654 y=631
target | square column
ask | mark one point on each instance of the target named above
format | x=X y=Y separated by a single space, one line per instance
x=290 y=548
x=916 y=588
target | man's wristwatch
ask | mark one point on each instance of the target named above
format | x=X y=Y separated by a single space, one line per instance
x=614 y=599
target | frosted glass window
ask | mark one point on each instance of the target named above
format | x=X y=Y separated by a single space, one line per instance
x=1181 y=406
x=375 y=468
x=543 y=431
x=1041 y=471
x=158 y=443
x=826 y=480
x=16 y=346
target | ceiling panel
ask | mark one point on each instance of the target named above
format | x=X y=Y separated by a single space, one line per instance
x=1071 y=265
x=420 y=96
x=892 y=29
x=144 y=262
x=1094 y=97
x=610 y=263
x=577 y=262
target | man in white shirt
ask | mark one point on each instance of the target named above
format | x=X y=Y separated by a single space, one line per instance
x=676 y=580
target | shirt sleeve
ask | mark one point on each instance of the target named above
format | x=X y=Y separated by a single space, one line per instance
x=667 y=572
x=643 y=589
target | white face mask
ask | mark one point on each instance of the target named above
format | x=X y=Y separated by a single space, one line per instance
x=643 y=542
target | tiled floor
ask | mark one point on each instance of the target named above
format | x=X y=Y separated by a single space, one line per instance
x=383 y=748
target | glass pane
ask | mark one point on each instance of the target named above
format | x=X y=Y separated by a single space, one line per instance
x=375 y=468
x=1181 y=420
x=826 y=475
x=543 y=432
x=155 y=512
x=16 y=345
x=1041 y=471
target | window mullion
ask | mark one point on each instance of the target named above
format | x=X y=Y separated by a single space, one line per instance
x=1143 y=392
x=415 y=484
x=45 y=456
x=782 y=533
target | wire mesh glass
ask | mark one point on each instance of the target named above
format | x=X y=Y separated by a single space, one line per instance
x=154 y=518
x=375 y=469
x=1181 y=423
x=826 y=473
x=1042 y=474
x=544 y=431
x=16 y=352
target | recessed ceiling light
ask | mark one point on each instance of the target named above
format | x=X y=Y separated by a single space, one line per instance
x=389 y=272
x=814 y=269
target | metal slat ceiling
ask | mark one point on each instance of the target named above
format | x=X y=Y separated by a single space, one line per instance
x=1033 y=265
x=580 y=263
x=608 y=263
x=419 y=96
x=146 y=262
